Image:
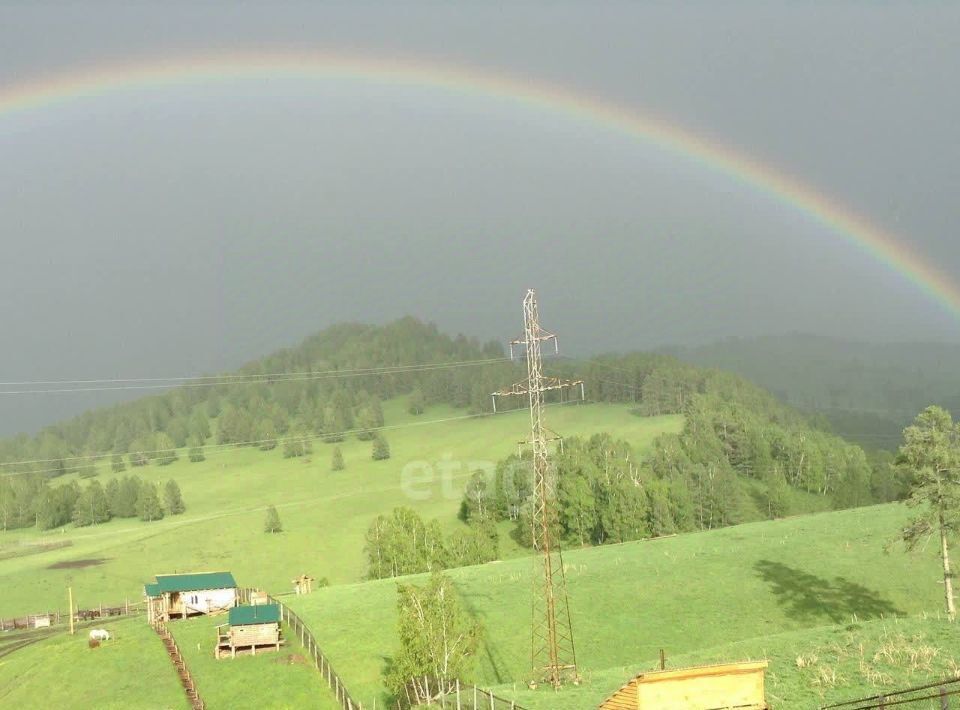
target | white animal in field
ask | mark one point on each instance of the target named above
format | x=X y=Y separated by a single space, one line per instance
x=99 y=635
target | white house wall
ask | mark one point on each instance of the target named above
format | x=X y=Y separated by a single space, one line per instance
x=208 y=600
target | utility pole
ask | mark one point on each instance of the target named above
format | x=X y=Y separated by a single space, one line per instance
x=553 y=655
x=70 y=607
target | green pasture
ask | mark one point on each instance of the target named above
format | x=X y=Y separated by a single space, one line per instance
x=131 y=671
x=270 y=680
x=699 y=593
x=324 y=514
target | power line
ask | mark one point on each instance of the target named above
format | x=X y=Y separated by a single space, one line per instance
x=219 y=448
x=222 y=380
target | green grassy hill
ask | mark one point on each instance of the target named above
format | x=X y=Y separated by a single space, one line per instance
x=778 y=590
x=324 y=514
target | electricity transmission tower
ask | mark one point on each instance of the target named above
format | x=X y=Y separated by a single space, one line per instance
x=553 y=654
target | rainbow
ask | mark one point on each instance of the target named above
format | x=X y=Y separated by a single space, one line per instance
x=881 y=245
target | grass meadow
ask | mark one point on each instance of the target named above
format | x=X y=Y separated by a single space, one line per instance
x=271 y=680
x=772 y=590
x=817 y=594
x=324 y=514
x=131 y=671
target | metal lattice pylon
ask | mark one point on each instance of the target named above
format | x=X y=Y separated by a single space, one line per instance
x=553 y=653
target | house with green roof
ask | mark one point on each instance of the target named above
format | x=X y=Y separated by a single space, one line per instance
x=249 y=629
x=179 y=596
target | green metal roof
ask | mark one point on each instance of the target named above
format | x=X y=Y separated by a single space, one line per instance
x=190 y=582
x=257 y=614
x=152 y=590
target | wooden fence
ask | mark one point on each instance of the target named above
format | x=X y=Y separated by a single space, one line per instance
x=51 y=618
x=186 y=679
x=463 y=697
x=935 y=696
x=470 y=697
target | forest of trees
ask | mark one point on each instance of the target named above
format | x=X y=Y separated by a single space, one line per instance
x=741 y=455
x=402 y=543
x=92 y=503
x=331 y=386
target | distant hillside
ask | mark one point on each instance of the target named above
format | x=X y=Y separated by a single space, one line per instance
x=742 y=451
x=868 y=391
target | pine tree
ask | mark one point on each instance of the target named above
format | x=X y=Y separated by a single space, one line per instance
x=123 y=502
x=112 y=491
x=91 y=507
x=195 y=452
x=172 y=499
x=166 y=452
x=336 y=460
x=333 y=425
x=267 y=435
x=297 y=444
x=199 y=427
x=117 y=464
x=272 y=522
x=380 y=450
x=54 y=506
x=148 y=503
x=367 y=423
x=416 y=403
x=141 y=450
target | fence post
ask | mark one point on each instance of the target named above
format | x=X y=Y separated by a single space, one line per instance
x=944 y=702
x=493 y=705
x=458 y=694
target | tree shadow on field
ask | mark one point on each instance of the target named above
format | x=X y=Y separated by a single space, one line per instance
x=497 y=663
x=806 y=596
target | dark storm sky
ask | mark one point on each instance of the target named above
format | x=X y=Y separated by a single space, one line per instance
x=187 y=229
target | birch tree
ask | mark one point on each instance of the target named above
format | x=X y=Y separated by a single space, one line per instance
x=931 y=453
x=438 y=642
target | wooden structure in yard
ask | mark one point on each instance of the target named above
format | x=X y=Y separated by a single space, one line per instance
x=259 y=597
x=303 y=584
x=726 y=686
x=248 y=629
x=179 y=596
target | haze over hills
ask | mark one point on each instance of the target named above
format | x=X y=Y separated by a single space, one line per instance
x=868 y=391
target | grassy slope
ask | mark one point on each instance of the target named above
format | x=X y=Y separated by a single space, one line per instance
x=324 y=514
x=687 y=594
x=826 y=664
x=131 y=671
x=269 y=680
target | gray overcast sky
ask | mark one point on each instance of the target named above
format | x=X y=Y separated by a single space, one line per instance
x=191 y=228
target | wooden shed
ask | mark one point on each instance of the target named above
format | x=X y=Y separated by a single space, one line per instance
x=249 y=628
x=717 y=687
x=178 y=596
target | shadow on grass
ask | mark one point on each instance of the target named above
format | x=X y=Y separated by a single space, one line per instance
x=494 y=659
x=806 y=596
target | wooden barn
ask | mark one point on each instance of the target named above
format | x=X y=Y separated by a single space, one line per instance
x=248 y=629
x=179 y=596
x=718 y=687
